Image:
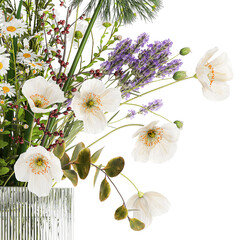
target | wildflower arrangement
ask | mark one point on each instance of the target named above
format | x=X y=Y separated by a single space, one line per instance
x=48 y=97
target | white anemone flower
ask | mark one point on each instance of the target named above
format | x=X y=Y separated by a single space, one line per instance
x=90 y=103
x=157 y=144
x=26 y=56
x=41 y=94
x=213 y=75
x=38 y=167
x=6 y=89
x=14 y=27
x=147 y=205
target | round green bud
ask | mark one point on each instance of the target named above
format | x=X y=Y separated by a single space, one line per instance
x=179 y=124
x=185 y=51
x=180 y=75
x=78 y=35
x=107 y=24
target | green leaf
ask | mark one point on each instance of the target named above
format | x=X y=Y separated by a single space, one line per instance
x=114 y=166
x=3 y=144
x=5 y=132
x=96 y=155
x=76 y=151
x=136 y=224
x=59 y=150
x=96 y=174
x=64 y=161
x=83 y=163
x=105 y=190
x=101 y=59
x=4 y=170
x=2 y=163
x=72 y=176
x=121 y=213
x=21 y=114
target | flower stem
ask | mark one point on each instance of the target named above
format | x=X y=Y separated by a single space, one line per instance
x=130 y=181
x=128 y=125
x=8 y=179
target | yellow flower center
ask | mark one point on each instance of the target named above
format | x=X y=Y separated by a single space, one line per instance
x=39 y=161
x=39 y=64
x=211 y=74
x=39 y=164
x=26 y=55
x=9 y=19
x=152 y=137
x=92 y=103
x=5 y=89
x=1 y=130
x=1 y=102
x=11 y=29
x=39 y=101
x=1 y=65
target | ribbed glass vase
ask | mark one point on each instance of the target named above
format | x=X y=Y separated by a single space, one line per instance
x=24 y=216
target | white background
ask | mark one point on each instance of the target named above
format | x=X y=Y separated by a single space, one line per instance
x=202 y=181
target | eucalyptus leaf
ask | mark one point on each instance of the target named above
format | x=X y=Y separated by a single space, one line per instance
x=96 y=174
x=114 y=166
x=136 y=224
x=105 y=190
x=76 y=151
x=96 y=155
x=83 y=163
x=59 y=150
x=65 y=160
x=72 y=176
x=121 y=213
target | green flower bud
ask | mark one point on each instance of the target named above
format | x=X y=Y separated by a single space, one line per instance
x=185 y=51
x=88 y=19
x=118 y=37
x=179 y=124
x=107 y=24
x=78 y=35
x=180 y=75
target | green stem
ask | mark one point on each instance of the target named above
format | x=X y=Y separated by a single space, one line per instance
x=130 y=181
x=133 y=104
x=83 y=43
x=8 y=179
x=128 y=125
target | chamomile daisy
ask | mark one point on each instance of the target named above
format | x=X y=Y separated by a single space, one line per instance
x=4 y=64
x=14 y=27
x=26 y=56
x=6 y=89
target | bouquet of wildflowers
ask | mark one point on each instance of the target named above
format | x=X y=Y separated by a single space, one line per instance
x=50 y=93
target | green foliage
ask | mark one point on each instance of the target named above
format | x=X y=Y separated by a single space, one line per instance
x=4 y=170
x=96 y=174
x=3 y=143
x=124 y=9
x=105 y=190
x=136 y=224
x=65 y=160
x=114 y=167
x=72 y=176
x=96 y=155
x=76 y=151
x=121 y=213
x=59 y=150
x=83 y=163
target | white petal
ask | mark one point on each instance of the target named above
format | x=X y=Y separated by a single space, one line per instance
x=217 y=92
x=94 y=122
x=21 y=168
x=143 y=213
x=170 y=132
x=93 y=86
x=41 y=110
x=111 y=99
x=54 y=94
x=40 y=184
x=131 y=201
x=157 y=203
x=141 y=152
x=55 y=168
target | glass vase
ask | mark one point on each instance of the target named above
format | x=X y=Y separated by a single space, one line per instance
x=24 y=216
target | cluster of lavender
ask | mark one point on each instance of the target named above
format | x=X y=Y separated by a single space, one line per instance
x=140 y=65
x=152 y=106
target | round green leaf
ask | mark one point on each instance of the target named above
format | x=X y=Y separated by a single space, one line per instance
x=76 y=151
x=136 y=224
x=4 y=170
x=105 y=190
x=114 y=166
x=59 y=150
x=65 y=161
x=72 y=176
x=121 y=213
x=83 y=163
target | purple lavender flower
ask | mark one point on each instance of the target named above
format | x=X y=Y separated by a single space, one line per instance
x=152 y=106
x=131 y=114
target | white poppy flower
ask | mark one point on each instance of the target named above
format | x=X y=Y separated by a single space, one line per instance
x=6 y=89
x=148 y=205
x=14 y=27
x=90 y=103
x=157 y=144
x=38 y=167
x=213 y=75
x=41 y=94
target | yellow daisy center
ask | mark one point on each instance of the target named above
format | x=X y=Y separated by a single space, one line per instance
x=91 y=102
x=9 y=19
x=11 y=29
x=1 y=65
x=6 y=89
x=26 y=55
x=1 y=102
x=39 y=64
